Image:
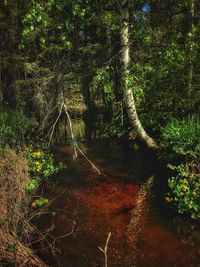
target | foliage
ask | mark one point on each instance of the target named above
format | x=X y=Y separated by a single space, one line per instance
x=39 y=203
x=111 y=20
x=185 y=189
x=38 y=21
x=175 y=57
x=132 y=84
x=41 y=165
x=118 y=126
x=181 y=139
x=14 y=127
x=103 y=80
x=32 y=185
x=113 y=129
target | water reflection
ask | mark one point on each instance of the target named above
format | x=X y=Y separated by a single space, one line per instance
x=63 y=131
x=87 y=128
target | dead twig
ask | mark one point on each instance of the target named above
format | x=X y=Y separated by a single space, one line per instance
x=91 y=163
x=65 y=235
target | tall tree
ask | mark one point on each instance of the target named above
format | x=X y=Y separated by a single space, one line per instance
x=127 y=91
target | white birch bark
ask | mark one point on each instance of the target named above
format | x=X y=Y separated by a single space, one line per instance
x=127 y=92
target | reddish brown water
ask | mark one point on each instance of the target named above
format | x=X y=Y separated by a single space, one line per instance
x=143 y=232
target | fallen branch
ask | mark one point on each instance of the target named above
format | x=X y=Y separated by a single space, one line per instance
x=75 y=155
x=54 y=125
x=65 y=235
x=63 y=108
x=75 y=145
x=91 y=163
x=49 y=239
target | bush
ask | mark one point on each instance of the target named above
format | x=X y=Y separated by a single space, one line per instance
x=14 y=127
x=185 y=189
x=41 y=165
x=181 y=139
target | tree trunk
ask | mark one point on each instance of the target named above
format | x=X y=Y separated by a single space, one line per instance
x=191 y=46
x=52 y=102
x=127 y=92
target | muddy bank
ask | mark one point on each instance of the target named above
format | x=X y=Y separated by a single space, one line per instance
x=15 y=230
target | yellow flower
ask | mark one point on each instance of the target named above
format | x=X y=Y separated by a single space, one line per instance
x=169 y=199
x=33 y=204
x=37 y=154
x=38 y=169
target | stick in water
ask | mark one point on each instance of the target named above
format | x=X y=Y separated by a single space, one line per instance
x=105 y=250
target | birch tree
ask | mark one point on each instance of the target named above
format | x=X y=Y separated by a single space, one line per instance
x=127 y=91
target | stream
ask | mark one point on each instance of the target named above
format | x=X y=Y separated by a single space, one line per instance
x=125 y=201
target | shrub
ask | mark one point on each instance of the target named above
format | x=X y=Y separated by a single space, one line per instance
x=181 y=139
x=41 y=165
x=185 y=189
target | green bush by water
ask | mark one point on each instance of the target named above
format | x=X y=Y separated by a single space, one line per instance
x=181 y=140
x=41 y=164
